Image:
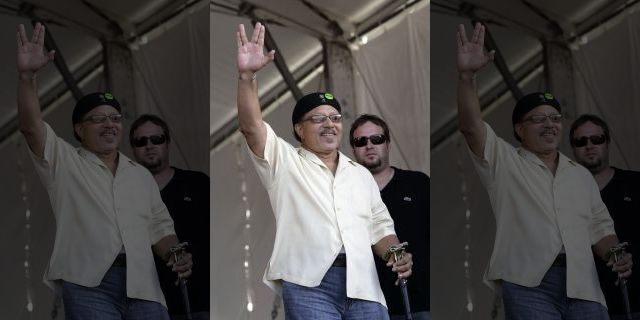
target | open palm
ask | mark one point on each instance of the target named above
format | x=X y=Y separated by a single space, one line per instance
x=251 y=57
x=471 y=54
x=31 y=56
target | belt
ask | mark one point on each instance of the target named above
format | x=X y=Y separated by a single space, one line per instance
x=120 y=261
x=560 y=261
x=341 y=261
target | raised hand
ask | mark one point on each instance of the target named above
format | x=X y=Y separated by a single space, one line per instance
x=471 y=54
x=251 y=57
x=31 y=56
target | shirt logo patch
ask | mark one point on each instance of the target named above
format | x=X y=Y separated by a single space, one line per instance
x=187 y=199
x=408 y=199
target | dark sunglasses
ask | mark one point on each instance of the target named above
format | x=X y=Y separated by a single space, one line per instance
x=595 y=140
x=375 y=139
x=142 y=141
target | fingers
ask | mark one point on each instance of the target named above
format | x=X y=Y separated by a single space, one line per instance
x=256 y=32
x=243 y=35
x=41 y=34
x=491 y=55
x=481 y=36
x=34 y=36
x=238 y=39
x=261 y=33
x=462 y=35
x=22 y=35
x=476 y=33
x=402 y=267
x=270 y=56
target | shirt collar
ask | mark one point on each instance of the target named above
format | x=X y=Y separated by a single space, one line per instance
x=343 y=160
x=562 y=159
x=89 y=155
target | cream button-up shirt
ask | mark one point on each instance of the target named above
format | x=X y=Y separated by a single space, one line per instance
x=317 y=213
x=537 y=214
x=97 y=213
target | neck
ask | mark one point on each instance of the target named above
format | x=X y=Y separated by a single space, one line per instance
x=163 y=176
x=330 y=159
x=383 y=177
x=603 y=176
x=110 y=159
x=550 y=159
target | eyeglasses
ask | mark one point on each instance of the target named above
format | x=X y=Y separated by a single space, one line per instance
x=155 y=140
x=375 y=139
x=540 y=118
x=320 y=118
x=595 y=140
x=102 y=118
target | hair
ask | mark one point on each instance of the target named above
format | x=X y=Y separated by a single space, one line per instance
x=149 y=118
x=589 y=118
x=369 y=118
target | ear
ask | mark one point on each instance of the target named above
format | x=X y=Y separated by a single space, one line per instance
x=298 y=128
x=77 y=128
x=519 y=130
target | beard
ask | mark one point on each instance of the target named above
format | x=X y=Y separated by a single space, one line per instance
x=594 y=166
x=152 y=165
x=374 y=166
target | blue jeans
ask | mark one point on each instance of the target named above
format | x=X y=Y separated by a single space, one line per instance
x=548 y=301
x=328 y=301
x=422 y=315
x=108 y=301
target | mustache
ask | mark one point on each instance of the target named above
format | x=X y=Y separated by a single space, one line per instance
x=108 y=131
x=549 y=131
x=327 y=131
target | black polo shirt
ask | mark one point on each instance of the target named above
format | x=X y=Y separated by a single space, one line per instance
x=407 y=198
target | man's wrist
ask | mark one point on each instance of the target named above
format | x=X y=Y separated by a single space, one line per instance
x=247 y=76
x=26 y=75
x=467 y=76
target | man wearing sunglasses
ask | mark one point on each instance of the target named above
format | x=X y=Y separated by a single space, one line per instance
x=329 y=214
x=186 y=195
x=549 y=215
x=109 y=215
x=620 y=190
x=406 y=195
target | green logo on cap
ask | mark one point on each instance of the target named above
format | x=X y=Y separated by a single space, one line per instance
x=108 y=96
x=328 y=96
x=548 y=96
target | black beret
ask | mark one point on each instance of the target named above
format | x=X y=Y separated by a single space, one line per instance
x=310 y=101
x=530 y=102
x=91 y=101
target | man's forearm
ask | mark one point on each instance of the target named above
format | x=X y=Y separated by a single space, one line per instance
x=381 y=247
x=29 y=114
x=162 y=248
x=469 y=114
x=249 y=113
x=601 y=248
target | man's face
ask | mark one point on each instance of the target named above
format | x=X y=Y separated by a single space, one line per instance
x=323 y=137
x=100 y=129
x=594 y=157
x=540 y=136
x=154 y=157
x=374 y=157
